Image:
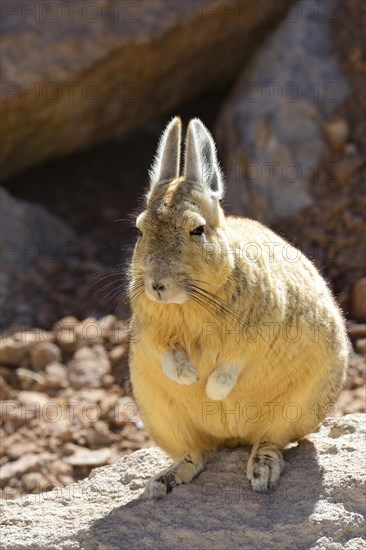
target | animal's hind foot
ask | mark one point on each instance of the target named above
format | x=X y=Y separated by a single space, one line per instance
x=181 y=472
x=159 y=486
x=265 y=465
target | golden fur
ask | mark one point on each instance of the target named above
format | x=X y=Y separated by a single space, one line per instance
x=272 y=313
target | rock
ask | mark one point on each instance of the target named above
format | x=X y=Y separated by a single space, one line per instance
x=28 y=378
x=125 y=411
x=111 y=69
x=8 y=374
x=331 y=230
x=359 y=300
x=12 y=351
x=117 y=354
x=22 y=447
x=361 y=346
x=356 y=373
x=91 y=394
x=88 y=367
x=6 y=391
x=347 y=167
x=66 y=339
x=321 y=492
x=65 y=334
x=67 y=323
x=12 y=414
x=352 y=401
x=28 y=233
x=72 y=334
x=56 y=375
x=135 y=438
x=107 y=406
x=35 y=405
x=61 y=467
x=43 y=354
x=269 y=132
x=89 y=332
x=57 y=424
x=33 y=336
x=24 y=464
x=107 y=380
x=106 y=325
x=35 y=482
x=33 y=398
x=97 y=435
x=337 y=133
x=85 y=457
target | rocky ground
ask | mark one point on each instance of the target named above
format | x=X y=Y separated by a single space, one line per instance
x=67 y=405
x=321 y=493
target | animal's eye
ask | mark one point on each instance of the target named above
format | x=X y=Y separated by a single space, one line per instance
x=198 y=231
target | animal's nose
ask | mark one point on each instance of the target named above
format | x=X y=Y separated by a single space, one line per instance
x=158 y=287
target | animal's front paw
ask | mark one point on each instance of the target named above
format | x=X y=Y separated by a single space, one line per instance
x=265 y=465
x=177 y=367
x=219 y=385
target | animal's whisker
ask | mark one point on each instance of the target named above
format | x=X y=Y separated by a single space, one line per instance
x=92 y=284
x=210 y=305
x=220 y=303
x=106 y=286
x=233 y=315
x=207 y=283
x=105 y=300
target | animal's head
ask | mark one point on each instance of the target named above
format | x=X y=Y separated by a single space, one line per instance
x=182 y=230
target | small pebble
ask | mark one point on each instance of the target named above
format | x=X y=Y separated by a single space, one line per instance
x=43 y=354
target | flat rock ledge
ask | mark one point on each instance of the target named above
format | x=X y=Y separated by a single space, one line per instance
x=319 y=503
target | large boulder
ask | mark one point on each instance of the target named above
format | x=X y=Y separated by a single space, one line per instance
x=28 y=231
x=30 y=236
x=74 y=73
x=47 y=270
x=319 y=503
x=270 y=132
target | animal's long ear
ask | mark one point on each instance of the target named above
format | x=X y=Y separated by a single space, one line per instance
x=201 y=165
x=167 y=159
